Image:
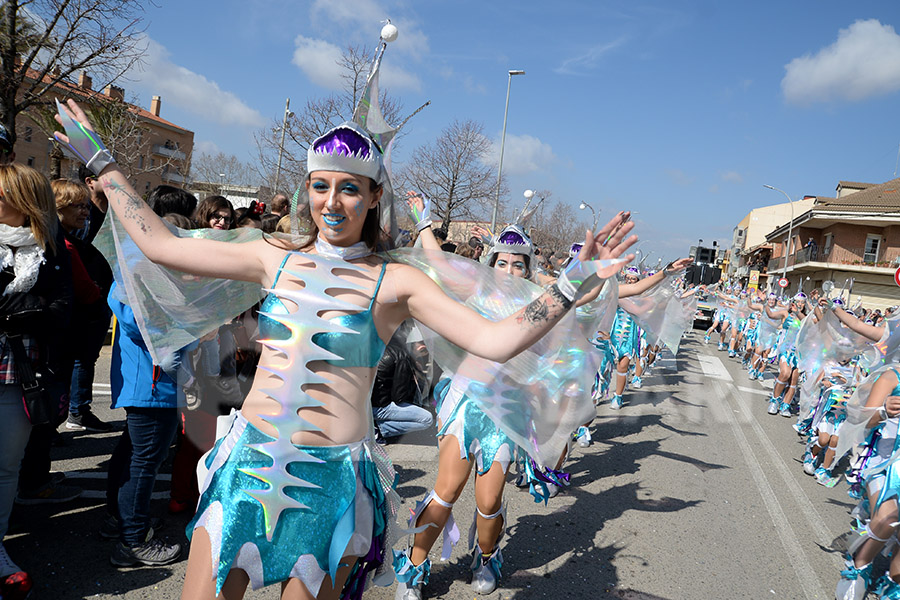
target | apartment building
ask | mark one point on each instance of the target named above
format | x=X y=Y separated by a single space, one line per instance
x=150 y=149
x=853 y=236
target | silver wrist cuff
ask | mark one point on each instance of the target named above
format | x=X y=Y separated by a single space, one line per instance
x=102 y=159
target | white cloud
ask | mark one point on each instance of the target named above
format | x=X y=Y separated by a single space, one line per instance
x=732 y=177
x=522 y=154
x=577 y=65
x=205 y=147
x=193 y=92
x=863 y=62
x=367 y=13
x=318 y=59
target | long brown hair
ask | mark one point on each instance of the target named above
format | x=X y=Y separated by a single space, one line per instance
x=29 y=192
x=209 y=206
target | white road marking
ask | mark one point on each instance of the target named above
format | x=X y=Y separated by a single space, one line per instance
x=713 y=367
x=812 y=588
x=102 y=475
x=95 y=494
x=753 y=390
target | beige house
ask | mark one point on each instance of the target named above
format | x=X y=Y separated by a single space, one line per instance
x=152 y=150
x=750 y=250
x=855 y=235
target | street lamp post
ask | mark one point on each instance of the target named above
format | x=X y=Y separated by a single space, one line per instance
x=790 y=229
x=287 y=115
x=584 y=205
x=502 y=144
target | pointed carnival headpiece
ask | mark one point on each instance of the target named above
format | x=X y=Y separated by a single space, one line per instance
x=361 y=146
x=632 y=270
x=800 y=297
x=512 y=239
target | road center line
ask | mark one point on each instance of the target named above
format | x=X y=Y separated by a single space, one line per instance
x=812 y=588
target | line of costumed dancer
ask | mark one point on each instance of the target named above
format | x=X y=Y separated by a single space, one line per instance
x=840 y=376
x=295 y=491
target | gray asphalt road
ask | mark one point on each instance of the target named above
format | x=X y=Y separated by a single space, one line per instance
x=691 y=491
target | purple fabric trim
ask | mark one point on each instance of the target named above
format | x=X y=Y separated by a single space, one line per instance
x=512 y=238
x=356 y=583
x=343 y=141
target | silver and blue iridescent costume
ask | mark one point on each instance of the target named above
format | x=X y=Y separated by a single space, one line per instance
x=280 y=510
x=624 y=335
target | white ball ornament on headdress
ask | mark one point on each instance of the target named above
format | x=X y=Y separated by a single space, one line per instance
x=389 y=32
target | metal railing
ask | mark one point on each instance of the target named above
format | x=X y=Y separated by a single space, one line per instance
x=837 y=255
x=170 y=152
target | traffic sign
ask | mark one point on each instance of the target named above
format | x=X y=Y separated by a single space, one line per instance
x=784 y=282
x=897 y=276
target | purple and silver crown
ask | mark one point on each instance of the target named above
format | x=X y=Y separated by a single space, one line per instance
x=347 y=148
x=512 y=240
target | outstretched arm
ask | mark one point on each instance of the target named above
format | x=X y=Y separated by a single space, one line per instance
x=633 y=289
x=499 y=341
x=870 y=331
x=196 y=256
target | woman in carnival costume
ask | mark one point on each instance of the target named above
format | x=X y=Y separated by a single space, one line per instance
x=766 y=338
x=788 y=375
x=722 y=317
x=624 y=335
x=296 y=492
x=467 y=438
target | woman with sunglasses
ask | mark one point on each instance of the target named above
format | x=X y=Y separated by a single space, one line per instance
x=294 y=479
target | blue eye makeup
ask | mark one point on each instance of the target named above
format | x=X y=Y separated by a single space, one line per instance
x=320 y=186
x=350 y=188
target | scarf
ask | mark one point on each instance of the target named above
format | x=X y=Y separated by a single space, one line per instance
x=19 y=250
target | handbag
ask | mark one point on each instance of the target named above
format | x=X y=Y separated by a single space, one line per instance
x=45 y=399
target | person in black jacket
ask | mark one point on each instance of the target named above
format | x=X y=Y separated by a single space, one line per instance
x=92 y=280
x=35 y=305
x=399 y=385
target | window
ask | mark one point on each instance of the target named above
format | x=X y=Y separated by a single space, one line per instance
x=141 y=162
x=152 y=163
x=30 y=161
x=873 y=245
x=28 y=132
x=147 y=187
x=829 y=242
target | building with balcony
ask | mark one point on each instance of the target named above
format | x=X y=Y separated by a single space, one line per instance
x=149 y=149
x=854 y=236
x=750 y=249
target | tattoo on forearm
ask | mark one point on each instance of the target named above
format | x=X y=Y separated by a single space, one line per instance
x=557 y=295
x=535 y=313
x=133 y=205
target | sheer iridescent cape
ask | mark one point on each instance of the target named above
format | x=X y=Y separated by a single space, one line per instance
x=660 y=312
x=878 y=358
x=539 y=397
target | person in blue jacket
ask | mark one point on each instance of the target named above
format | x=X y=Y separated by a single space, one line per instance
x=150 y=397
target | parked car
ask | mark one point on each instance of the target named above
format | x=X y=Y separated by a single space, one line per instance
x=703 y=318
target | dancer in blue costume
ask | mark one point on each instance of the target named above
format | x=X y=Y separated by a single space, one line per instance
x=881 y=481
x=788 y=375
x=293 y=493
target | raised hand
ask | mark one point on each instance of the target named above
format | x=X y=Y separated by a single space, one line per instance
x=609 y=243
x=419 y=209
x=80 y=137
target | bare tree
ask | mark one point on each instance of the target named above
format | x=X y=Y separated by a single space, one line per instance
x=556 y=227
x=45 y=42
x=219 y=169
x=316 y=117
x=121 y=128
x=453 y=173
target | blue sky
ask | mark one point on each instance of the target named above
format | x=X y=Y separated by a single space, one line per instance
x=678 y=111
